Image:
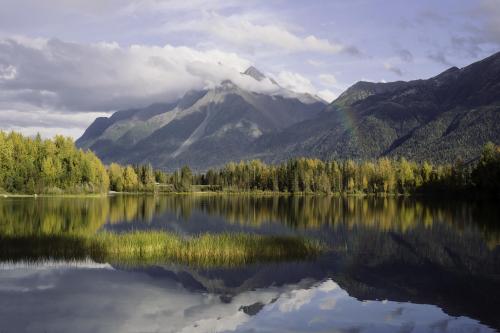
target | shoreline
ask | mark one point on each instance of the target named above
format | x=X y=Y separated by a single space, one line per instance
x=242 y=193
x=259 y=193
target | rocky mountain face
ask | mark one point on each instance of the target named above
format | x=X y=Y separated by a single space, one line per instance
x=203 y=128
x=444 y=118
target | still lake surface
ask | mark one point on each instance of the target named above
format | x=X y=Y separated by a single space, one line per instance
x=394 y=265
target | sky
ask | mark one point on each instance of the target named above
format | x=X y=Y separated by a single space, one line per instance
x=65 y=62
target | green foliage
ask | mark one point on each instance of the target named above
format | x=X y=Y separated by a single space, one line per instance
x=130 y=179
x=183 y=180
x=32 y=165
x=153 y=247
x=116 y=180
x=55 y=166
x=381 y=176
x=147 y=177
x=134 y=179
x=486 y=176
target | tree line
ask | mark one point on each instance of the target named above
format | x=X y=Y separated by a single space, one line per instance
x=380 y=176
x=33 y=165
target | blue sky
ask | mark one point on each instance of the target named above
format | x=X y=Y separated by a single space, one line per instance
x=62 y=63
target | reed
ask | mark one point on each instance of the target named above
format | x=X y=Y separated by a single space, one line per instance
x=156 y=247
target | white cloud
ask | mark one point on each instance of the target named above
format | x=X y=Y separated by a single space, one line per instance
x=43 y=81
x=243 y=32
x=328 y=285
x=104 y=76
x=46 y=132
x=121 y=302
x=214 y=74
x=296 y=299
x=316 y=63
x=51 y=86
x=295 y=82
x=328 y=79
x=133 y=301
x=133 y=7
x=30 y=121
x=327 y=95
x=7 y=72
x=299 y=83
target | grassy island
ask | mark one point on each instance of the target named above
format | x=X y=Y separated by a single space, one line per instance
x=156 y=247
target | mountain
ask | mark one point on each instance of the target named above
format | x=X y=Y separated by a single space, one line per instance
x=449 y=116
x=203 y=128
x=441 y=119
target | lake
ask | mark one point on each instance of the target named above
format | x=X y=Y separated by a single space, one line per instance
x=392 y=265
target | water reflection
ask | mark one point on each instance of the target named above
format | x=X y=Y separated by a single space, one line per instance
x=441 y=253
x=54 y=298
x=24 y=216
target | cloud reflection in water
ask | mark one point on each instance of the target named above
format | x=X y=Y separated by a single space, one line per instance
x=58 y=298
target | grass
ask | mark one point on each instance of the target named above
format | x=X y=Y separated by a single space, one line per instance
x=46 y=195
x=156 y=247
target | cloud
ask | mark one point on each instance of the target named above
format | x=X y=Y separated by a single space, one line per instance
x=327 y=95
x=213 y=75
x=316 y=63
x=36 y=297
x=470 y=45
x=393 y=69
x=440 y=58
x=295 y=82
x=134 y=303
x=333 y=87
x=134 y=6
x=405 y=55
x=296 y=299
x=328 y=303
x=489 y=10
x=243 y=32
x=40 y=76
x=7 y=72
x=328 y=79
x=104 y=76
x=47 y=123
x=471 y=33
x=47 y=118
x=431 y=16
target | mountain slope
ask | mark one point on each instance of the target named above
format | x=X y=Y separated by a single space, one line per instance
x=446 y=117
x=203 y=128
x=449 y=116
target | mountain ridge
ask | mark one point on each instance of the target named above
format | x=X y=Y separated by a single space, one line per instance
x=443 y=118
x=213 y=125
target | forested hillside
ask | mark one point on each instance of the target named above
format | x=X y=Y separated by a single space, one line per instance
x=444 y=118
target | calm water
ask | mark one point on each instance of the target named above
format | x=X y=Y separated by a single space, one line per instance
x=395 y=265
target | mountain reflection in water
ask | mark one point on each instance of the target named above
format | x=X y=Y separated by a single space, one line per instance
x=161 y=299
x=395 y=264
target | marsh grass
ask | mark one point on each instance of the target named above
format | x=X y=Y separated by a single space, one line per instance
x=156 y=247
